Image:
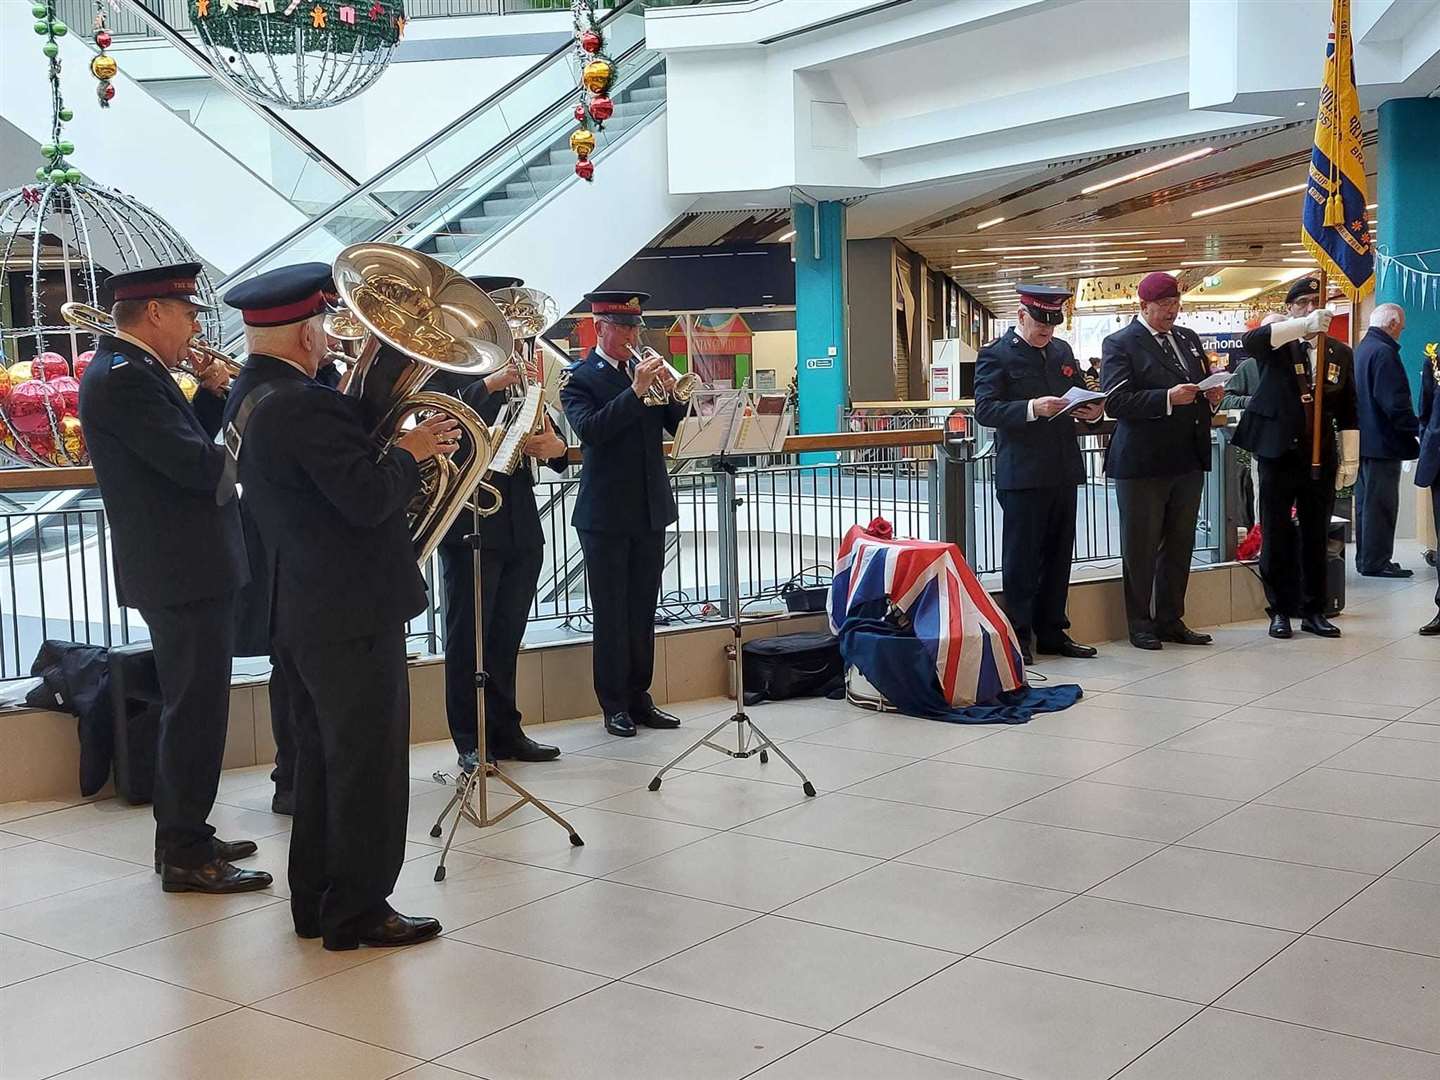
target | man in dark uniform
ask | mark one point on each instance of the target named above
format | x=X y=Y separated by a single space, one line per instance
x=624 y=506
x=1158 y=458
x=332 y=515
x=512 y=545
x=1427 y=467
x=1020 y=380
x=1389 y=435
x=1277 y=428
x=179 y=557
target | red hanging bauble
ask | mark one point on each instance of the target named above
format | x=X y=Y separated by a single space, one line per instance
x=579 y=114
x=102 y=39
x=590 y=41
x=585 y=169
x=602 y=108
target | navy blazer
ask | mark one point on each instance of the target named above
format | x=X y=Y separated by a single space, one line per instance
x=1273 y=423
x=1427 y=468
x=1388 y=425
x=624 y=484
x=1035 y=453
x=157 y=464
x=331 y=512
x=1147 y=441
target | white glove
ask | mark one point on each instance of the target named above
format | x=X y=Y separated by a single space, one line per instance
x=1318 y=321
x=1288 y=330
x=1349 y=459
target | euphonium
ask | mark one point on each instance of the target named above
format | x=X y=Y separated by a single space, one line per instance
x=98 y=321
x=432 y=319
x=671 y=386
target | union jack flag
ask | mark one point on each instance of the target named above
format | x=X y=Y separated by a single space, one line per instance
x=976 y=652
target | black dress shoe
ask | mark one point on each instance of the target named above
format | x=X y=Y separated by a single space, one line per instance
x=1065 y=646
x=1320 y=626
x=1144 y=639
x=283 y=802
x=654 y=718
x=1280 y=626
x=619 y=724
x=1181 y=634
x=526 y=749
x=392 y=931
x=1394 y=570
x=225 y=850
x=215 y=876
x=1431 y=628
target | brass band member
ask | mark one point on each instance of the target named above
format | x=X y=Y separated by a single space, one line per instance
x=332 y=517
x=624 y=507
x=179 y=557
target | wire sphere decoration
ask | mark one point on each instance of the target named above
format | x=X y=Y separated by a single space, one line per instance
x=300 y=54
x=60 y=242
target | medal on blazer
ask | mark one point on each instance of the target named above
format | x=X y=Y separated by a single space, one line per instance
x=1305 y=396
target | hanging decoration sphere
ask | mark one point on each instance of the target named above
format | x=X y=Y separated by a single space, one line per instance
x=67 y=115
x=51 y=50
x=58 y=28
x=582 y=142
x=73 y=439
x=43 y=27
x=33 y=404
x=591 y=41
x=596 y=76
x=106 y=91
x=103 y=39
x=104 y=67
x=49 y=365
x=40 y=11
x=82 y=362
x=585 y=169
x=301 y=54
x=579 y=114
x=602 y=108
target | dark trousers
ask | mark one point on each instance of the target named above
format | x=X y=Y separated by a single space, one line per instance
x=507 y=582
x=1292 y=555
x=282 y=727
x=351 y=703
x=1377 y=503
x=1157 y=538
x=1435 y=515
x=1036 y=549
x=624 y=574
x=194 y=645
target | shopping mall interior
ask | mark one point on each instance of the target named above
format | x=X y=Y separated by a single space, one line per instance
x=1209 y=862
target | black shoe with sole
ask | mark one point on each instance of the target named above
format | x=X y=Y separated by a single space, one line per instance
x=1064 y=645
x=226 y=850
x=620 y=724
x=1181 y=634
x=1320 y=626
x=526 y=749
x=652 y=717
x=215 y=876
x=393 y=931
x=283 y=802
x=1280 y=626
x=1144 y=639
x=1431 y=628
x=1394 y=570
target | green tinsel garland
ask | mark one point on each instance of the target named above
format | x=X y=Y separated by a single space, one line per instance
x=245 y=29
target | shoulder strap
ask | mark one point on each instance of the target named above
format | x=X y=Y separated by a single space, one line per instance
x=235 y=433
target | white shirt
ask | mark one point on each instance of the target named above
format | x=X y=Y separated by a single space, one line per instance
x=619 y=364
x=1162 y=338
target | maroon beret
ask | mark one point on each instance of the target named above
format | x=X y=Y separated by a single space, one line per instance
x=1158 y=286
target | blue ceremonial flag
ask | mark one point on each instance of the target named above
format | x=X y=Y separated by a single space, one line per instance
x=1335 y=229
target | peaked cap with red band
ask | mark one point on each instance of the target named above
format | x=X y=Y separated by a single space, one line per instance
x=619 y=307
x=178 y=281
x=1045 y=303
x=285 y=295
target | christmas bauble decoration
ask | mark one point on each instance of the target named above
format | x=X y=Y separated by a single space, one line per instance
x=582 y=142
x=19 y=373
x=106 y=91
x=67 y=115
x=585 y=169
x=596 y=76
x=31 y=406
x=103 y=39
x=186 y=382
x=51 y=50
x=5 y=385
x=49 y=365
x=40 y=11
x=82 y=362
x=579 y=114
x=42 y=28
x=73 y=439
x=590 y=41
x=104 y=67
x=68 y=387
x=58 y=28
x=602 y=108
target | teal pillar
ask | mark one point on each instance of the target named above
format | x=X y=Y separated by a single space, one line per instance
x=1409 y=221
x=820 y=337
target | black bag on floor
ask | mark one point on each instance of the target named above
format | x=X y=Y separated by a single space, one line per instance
x=135 y=701
x=791 y=666
x=75 y=678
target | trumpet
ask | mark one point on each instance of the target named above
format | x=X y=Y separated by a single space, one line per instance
x=671 y=386
x=98 y=321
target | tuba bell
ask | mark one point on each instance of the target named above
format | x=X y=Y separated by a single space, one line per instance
x=423 y=317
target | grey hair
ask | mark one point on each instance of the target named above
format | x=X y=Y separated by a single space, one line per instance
x=1386 y=315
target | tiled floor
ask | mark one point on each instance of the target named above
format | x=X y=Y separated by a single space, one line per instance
x=1223 y=865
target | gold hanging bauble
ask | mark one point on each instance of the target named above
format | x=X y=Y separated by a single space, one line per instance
x=104 y=67
x=582 y=142
x=596 y=76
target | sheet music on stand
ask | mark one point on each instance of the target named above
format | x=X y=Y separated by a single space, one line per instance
x=731 y=422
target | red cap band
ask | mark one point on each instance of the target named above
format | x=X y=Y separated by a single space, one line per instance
x=1043 y=305
x=155 y=290
x=604 y=308
x=284 y=314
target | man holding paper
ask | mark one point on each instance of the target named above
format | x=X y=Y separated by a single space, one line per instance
x=1158 y=458
x=1022 y=381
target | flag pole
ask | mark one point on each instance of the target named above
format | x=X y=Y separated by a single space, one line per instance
x=1317 y=416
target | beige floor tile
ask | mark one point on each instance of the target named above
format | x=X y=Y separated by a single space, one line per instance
x=245 y=1044
x=1237 y=1047
x=935 y=908
x=1393 y=914
x=829 y=768
x=1304 y=836
x=875 y=827
x=1337 y=791
x=1285 y=896
x=795 y=971
x=1188 y=773
x=948 y=786
x=1032 y=854
x=655 y=748
x=1035 y=753
x=1402 y=729
x=1424 y=865
x=425 y=808
x=1159 y=952
x=1377 y=680
x=784 y=720
x=133 y=839
x=612 y=842
x=74 y=1016
x=1193 y=686
x=1262 y=742
x=73 y=819
x=430 y=999
x=33 y=871
x=21 y=809
x=1351 y=989
x=1293 y=700
x=431 y=1071
x=571 y=736
x=712 y=802
x=1023 y=1023
x=21 y=960
x=242 y=959
x=640 y=927
x=577 y=779
x=1174 y=707
x=1306 y=721
x=474 y=888
x=835 y=1057
x=1128 y=727
x=891 y=733
x=1122 y=811
x=746 y=871
x=1418 y=759
x=626 y=1032
x=13 y=840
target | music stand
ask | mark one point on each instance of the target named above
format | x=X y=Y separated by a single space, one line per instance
x=470 y=800
x=719 y=425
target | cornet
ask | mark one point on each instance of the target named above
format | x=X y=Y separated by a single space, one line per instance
x=98 y=321
x=671 y=386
